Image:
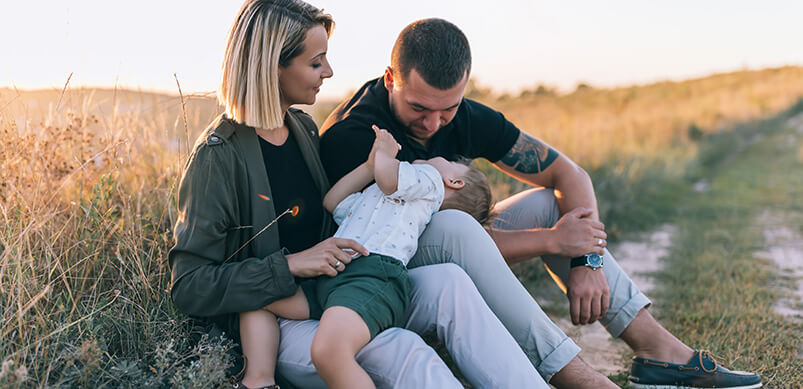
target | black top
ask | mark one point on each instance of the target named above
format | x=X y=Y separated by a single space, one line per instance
x=291 y=185
x=476 y=131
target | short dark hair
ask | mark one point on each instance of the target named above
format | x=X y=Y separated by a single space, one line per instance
x=436 y=49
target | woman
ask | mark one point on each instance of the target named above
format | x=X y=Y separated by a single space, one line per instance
x=260 y=160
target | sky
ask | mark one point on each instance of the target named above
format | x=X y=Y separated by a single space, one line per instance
x=515 y=43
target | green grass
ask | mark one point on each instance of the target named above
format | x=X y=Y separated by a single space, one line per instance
x=715 y=293
x=87 y=203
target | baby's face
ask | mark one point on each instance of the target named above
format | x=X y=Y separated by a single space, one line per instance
x=447 y=169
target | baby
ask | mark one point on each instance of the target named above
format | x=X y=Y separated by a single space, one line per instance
x=373 y=292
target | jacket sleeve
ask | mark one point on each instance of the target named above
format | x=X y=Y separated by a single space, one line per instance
x=204 y=283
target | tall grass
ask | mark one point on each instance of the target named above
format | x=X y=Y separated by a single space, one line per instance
x=87 y=204
x=639 y=143
x=591 y=125
x=87 y=201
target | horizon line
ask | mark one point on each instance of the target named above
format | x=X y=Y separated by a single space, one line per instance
x=476 y=81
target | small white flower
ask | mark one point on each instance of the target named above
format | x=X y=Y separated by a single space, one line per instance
x=21 y=373
x=7 y=365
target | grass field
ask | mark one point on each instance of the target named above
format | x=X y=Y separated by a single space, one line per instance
x=87 y=200
x=716 y=292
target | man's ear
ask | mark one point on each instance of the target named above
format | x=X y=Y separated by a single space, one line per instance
x=389 y=79
x=454 y=183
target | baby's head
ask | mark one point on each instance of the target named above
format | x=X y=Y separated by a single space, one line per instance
x=465 y=188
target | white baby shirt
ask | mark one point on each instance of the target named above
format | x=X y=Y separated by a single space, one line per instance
x=391 y=224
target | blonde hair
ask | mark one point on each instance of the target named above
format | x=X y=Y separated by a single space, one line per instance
x=475 y=197
x=265 y=34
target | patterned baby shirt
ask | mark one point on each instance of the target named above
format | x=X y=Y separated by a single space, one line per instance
x=391 y=224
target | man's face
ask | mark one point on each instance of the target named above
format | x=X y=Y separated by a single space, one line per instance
x=422 y=108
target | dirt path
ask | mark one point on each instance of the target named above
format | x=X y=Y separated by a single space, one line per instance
x=638 y=258
x=784 y=247
x=778 y=225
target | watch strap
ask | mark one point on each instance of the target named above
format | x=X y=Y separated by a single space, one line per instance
x=578 y=261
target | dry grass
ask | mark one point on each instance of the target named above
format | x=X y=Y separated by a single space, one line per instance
x=591 y=125
x=87 y=201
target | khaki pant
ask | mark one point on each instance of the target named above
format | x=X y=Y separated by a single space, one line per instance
x=452 y=237
x=494 y=330
x=444 y=302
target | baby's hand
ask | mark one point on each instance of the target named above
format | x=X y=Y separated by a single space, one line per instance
x=384 y=143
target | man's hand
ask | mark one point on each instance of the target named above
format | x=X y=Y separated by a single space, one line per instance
x=589 y=295
x=577 y=234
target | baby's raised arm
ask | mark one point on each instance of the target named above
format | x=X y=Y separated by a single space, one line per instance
x=386 y=166
x=381 y=167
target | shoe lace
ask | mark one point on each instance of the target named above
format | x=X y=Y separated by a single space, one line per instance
x=712 y=357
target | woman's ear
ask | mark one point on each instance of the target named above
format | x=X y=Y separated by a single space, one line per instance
x=454 y=183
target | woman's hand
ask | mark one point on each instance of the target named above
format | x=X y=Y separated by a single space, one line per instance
x=328 y=257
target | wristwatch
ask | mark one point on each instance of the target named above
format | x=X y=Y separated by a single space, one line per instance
x=594 y=261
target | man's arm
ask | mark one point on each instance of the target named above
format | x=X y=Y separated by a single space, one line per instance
x=532 y=161
x=577 y=232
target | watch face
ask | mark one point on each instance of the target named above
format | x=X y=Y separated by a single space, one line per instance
x=594 y=260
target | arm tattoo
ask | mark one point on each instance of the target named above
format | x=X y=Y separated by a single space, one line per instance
x=529 y=155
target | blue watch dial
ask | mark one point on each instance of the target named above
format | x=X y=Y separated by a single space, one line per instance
x=594 y=261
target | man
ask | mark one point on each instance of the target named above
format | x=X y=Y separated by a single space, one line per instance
x=420 y=101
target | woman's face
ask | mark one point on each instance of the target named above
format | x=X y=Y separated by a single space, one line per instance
x=300 y=81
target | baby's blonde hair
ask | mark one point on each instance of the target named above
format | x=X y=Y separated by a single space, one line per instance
x=475 y=197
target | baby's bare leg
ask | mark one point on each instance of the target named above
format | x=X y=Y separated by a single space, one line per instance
x=294 y=307
x=341 y=335
x=259 y=335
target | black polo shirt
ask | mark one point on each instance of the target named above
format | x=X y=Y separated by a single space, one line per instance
x=476 y=131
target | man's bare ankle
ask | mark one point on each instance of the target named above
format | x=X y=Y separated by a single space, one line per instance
x=650 y=340
x=577 y=374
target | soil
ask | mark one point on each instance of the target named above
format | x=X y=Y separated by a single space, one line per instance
x=784 y=247
x=638 y=259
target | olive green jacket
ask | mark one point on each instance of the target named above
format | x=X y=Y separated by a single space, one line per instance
x=219 y=209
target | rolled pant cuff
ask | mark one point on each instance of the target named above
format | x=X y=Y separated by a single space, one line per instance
x=557 y=359
x=626 y=314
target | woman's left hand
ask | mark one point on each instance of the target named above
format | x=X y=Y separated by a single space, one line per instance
x=328 y=257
